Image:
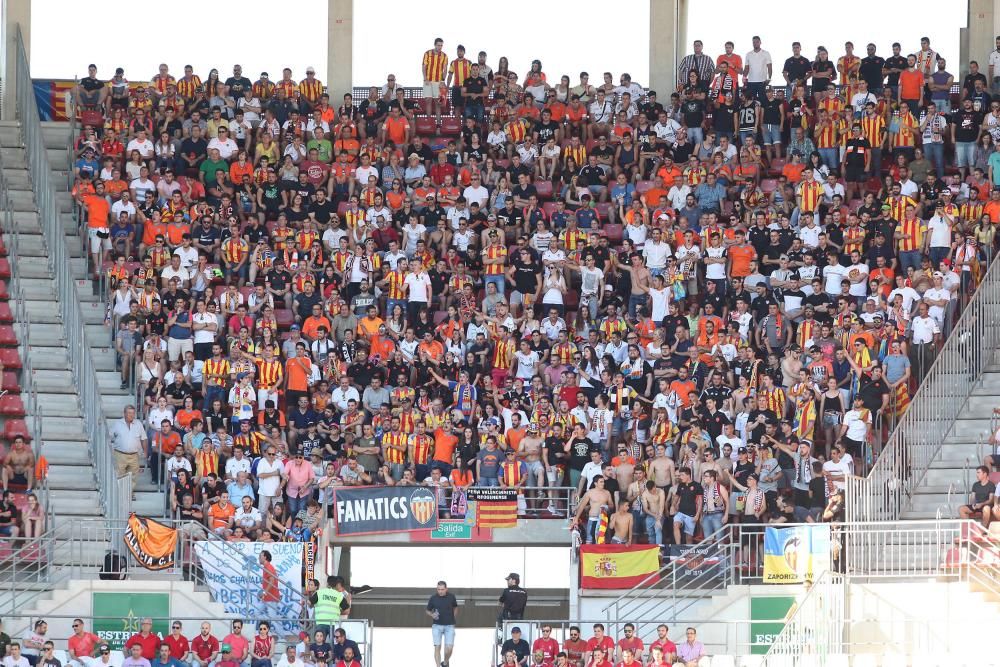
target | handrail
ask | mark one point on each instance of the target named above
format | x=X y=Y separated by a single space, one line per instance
x=81 y=362
x=816 y=624
x=932 y=413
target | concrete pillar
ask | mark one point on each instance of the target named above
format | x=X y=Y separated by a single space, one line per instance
x=15 y=13
x=667 y=44
x=339 y=49
x=983 y=27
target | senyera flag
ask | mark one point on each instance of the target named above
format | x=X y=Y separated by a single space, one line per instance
x=617 y=565
x=152 y=543
x=495 y=507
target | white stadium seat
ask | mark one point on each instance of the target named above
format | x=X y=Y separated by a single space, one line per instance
x=723 y=661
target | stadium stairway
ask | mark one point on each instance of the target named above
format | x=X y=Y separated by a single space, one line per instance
x=113 y=399
x=952 y=472
x=64 y=444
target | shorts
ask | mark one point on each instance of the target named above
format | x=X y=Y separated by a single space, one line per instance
x=445 y=632
x=536 y=473
x=686 y=522
x=554 y=475
x=772 y=135
x=6 y=531
x=995 y=459
x=432 y=89
x=855 y=176
x=96 y=242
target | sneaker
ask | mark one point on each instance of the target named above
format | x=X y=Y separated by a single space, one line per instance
x=551 y=509
x=124 y=385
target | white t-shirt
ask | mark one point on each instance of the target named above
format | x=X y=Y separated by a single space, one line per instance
x=757 y=62
x=844 y=468
x=189 y=256
x=332 y=236
x=856 y=427
x=678 y=196
x=860 y=288
x=145 y=148
x=420 y=286
x=590 y=279
x=661 y=300
x=832 y=275
x=715 y=271
x=227 y=148
x=480 y=194
x=247 y=519
x=526 y=364
x=909 y=296
x=234 y=466
x=268 y=486
x=667 y=132
x=940 y=231
x=937 y=312
x=656 y=254
x=204 y=335
x=361 y=174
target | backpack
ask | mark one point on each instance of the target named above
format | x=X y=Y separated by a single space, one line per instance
x=115 y=567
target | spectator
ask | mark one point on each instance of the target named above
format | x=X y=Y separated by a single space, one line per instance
x=135 y=657
x=443 y=611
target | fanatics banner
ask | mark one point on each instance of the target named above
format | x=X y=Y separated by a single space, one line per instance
x=384 y=509
x=617 y=565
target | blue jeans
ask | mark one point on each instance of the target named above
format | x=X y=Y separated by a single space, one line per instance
x=296 y=504
x=757 y=88
x=711 y=523
x=654 y=529
x=496 y=280
x=634 y=301
x=831 y=157
x=696 y=135
x=211 y=393
x=474 y=110
x=489 y=481
x=909 y=258
x=937 y=253
x=935 y=153
x=965 y=154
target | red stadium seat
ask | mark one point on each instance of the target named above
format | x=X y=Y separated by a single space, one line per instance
x=614 y=233
x=451 y=126
x=4 y=294
x=14 y=428
x=6 y=316
x=3 y=249
x=549 y=208
x=571 y=300
x=642 y=187
x=4 y=269
x=768 y=185
x=11 y=405
x=9 y=358
x=544 y=189
x=426 y=126
x=7 y=336
x=285 y=318
x=9 y=383
x=602 y=209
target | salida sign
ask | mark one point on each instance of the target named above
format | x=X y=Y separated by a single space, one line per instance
x=384 y=509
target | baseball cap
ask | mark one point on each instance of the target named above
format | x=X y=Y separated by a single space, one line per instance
x=226 y=648
x=295 y=327
x=514 y=575
x=104 y=648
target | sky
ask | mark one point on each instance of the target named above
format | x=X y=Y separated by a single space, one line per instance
x=389 y=36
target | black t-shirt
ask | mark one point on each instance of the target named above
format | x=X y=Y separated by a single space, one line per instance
x=194 y=149
x=857 y=150
x=321 y=652
x=554 y=450
x=323 y=212
x=772 y=111
x=817 y=493
x=871 y=71
x=90 y=84
x=969 y=83
x=521 y=648
x=894 y=62
x=237 y=85
x=823 y=66
x=157 y=322
x=475 y=85
x=688 y=494
x=693 y=112
x=982 y=492
x=796 y=66
x=966 y=125
x=871 y=393
x=757 y=430
x=579 y=452
x=722 y=118
x=445 y=606
x=371 y=113
x=591 y=175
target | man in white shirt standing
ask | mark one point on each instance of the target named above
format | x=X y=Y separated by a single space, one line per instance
x=418 y=289
x=270 y=471
x=939 y=238
x=757 y=70
x=925 y=336
x=656 y=251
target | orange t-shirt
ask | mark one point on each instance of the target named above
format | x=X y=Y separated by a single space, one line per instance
x=793 y=172
x=444 y=446
x=150 y=230
x=369 y=327
x=219 y=516
x=741 y=258
x=236 y=172
x=98 y=210
x=911 y=85
x=395 y=129
x=297 y=371
x=175 y=233
x=992 y=209
x=682 y=389
x=311 y=325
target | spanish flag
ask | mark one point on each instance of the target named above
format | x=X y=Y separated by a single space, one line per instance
x=617 y=565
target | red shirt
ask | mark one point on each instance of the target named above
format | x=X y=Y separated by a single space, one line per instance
x=633 y=643
x=205 y=647
x=666 y=645
x=83 y=645
x=179 y=646
x=574 y=649
x=269 y=583
x=605 y=642
x=150 y=644
x=549 y=647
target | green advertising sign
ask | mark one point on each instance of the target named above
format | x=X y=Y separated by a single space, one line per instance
x=117 y=615
x=767 y=619
x=452 y=530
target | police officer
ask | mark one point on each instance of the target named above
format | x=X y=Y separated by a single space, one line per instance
x=513 y=599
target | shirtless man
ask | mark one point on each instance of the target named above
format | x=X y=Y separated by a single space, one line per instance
x=19 y=468
x=711 y=463
x=530 y=452
x=595 y=501
x=621 y=524
x=641 y=280
x=624 y=467
x=662 y=470
x=654 y=502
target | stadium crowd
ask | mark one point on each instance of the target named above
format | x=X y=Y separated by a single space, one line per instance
x=696 y=302
x=327 y=647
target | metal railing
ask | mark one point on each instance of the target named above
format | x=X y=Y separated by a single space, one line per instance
x=81 y=362
x=917 y=439
x=816 y=623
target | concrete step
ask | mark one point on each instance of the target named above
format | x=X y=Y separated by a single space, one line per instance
x=38 y=289
x=67 y=452
x=54 y=381
x=64 y=428
x=970 y=430
x=49 y=358
x=59 y=405
x=46 y=335
x=58 y=158
x=22 y=200
x=71 y=477
x=104 y=358
x=937 y=477
x=113 y=403
x=71 y=502
x=981 y=405
x=43 y=311
x=30 y=246
x=35 y=268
